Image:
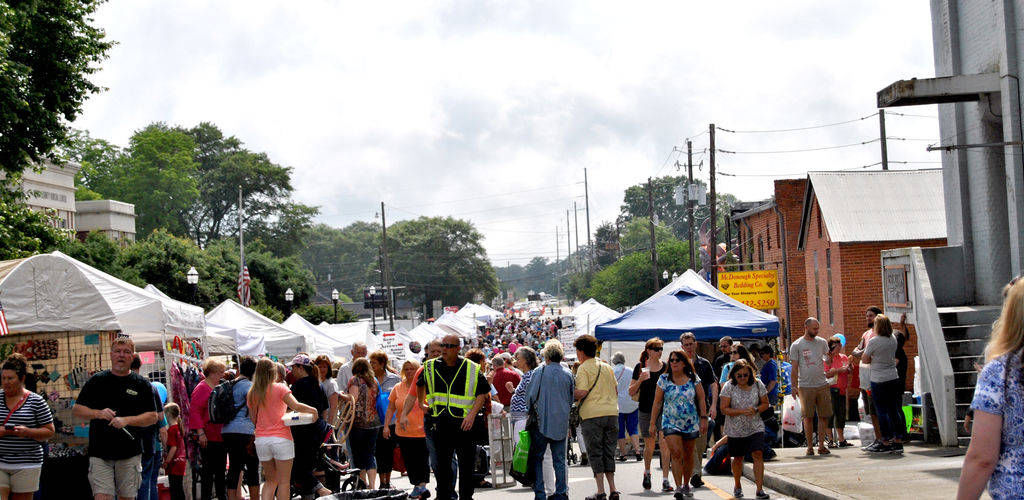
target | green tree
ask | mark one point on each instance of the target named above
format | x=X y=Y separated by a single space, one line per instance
x=629 y=281
x=270 y=275
x=606 y=244
x=162 y=259
x=317 y=313
x=271 y=312
x=340 y=258
x=48 y=50
x=636 y=235
x=24 y=232
x=101 y=252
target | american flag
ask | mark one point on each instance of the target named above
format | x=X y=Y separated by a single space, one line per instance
x=244 y=297
x=3 y=321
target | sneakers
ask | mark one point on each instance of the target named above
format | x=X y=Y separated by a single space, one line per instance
x=762 y=495
x=598 y=496
x=666 y=487
x=844 y=444
x=622 y=458
x=420 y=492
x=696 y=481
x=639 y=457
x=896 y=448
x=737 y=493
x=880 y=448
x=810 y=452
x=867 y=445
x=683 y=492
x=647 y=481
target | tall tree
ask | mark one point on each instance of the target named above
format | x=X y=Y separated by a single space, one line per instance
x=48 y=50
x=606 y=244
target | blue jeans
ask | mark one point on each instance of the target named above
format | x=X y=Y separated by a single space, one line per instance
x=150 y=472
x=889 y=406
x=538 y=445
x=432 y=450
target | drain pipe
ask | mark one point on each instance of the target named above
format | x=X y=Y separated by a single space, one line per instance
x=785 y=273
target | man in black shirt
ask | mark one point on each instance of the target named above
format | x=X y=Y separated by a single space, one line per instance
x=444 y=381
x=709 y=382
x=118 y=405
x=723 y=357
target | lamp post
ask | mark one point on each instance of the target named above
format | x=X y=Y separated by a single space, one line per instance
x=674 y=275
x=664 y=276
x=289 y=295
x=193 y=279
x=373 y=308
x=334 y=298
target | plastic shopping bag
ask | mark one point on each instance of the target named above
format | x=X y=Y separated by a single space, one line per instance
x=792 y=420
x=521 y=457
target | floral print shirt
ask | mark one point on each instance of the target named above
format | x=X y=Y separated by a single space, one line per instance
x=679 y=411
x=999 y=392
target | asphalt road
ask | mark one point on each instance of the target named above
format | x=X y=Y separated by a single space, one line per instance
x=628 y=477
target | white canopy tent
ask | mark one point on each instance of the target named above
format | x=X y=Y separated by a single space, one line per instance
x=426 y=332
x=53 y=292
x=222 y=340
x=480 y=312
x=457 y=325
x=347 y=334
x=325 y=343
x=590 y=314
x=278 y=340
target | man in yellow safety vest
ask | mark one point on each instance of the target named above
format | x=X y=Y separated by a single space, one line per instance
x=454 y=390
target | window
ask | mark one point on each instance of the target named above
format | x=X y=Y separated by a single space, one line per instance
x=819 y=221
x=768 y=233
x=817 y=288
x=828 y=276
x=760 y=251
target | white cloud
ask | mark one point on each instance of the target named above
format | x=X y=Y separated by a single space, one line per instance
x=422 y=104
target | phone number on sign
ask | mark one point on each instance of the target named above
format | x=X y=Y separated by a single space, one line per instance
x=761 y=303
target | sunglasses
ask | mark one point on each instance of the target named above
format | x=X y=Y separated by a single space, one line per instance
x=449 y=346
x=675 y=360
x=742 y=375
x=659 y=349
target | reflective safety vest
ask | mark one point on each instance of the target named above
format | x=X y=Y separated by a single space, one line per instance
x=442 y=396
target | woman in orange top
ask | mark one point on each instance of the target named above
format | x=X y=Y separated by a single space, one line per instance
x=267 y=401
x=411 y=439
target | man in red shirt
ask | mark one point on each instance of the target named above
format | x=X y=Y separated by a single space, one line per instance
x=504 y=381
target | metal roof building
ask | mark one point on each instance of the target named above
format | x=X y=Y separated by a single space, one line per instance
x=889 y=205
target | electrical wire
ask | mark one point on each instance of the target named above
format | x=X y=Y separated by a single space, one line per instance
x=795 y=129
x=806 y=150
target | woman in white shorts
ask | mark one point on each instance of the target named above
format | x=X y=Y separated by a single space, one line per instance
x=268 y=400
x=26 y=422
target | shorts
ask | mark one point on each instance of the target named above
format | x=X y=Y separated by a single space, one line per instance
x=645 y=424
x=816 y=399
x=741 y=446
x=117 y=478
x=628 y=423
x=838 y=419
x=684 y=435
x=869 y=405
x=20 y=480
x=274 y=448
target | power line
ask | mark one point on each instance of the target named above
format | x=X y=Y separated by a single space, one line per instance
x=806 y=150
x=796 y=129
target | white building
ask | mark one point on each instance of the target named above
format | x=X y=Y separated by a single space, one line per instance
x=52 y=189
x=116 y=219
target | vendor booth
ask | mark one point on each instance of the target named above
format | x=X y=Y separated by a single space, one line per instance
x=590 y=314
x=689 y=304
x=63 y=315
x=479 y=312
x=347 y=334
x=279 y=341
x=325 y=344
x=461 y=326
x=222 y=340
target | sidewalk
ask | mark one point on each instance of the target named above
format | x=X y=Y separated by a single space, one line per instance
x=922 y=472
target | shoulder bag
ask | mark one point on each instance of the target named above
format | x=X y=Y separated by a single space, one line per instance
x=532 y=419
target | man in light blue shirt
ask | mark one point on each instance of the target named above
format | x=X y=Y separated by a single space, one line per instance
x=629 y=410
x=551 y=393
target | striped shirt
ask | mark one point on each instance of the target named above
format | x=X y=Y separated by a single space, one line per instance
x=22 y=452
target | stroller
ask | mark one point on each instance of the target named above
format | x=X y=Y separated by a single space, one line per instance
x=574 y=430
x=338 y=476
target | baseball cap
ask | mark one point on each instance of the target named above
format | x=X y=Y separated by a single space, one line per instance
x=301 y=359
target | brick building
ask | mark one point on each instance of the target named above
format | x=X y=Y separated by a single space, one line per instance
x=767 y=244
x=848 y=218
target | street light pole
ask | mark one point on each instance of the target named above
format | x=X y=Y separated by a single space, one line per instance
x=334 y=298
x=289 y=295
x=193 y=279
x=373 y=309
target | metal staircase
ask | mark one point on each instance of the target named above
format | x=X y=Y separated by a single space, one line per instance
x=966 y=330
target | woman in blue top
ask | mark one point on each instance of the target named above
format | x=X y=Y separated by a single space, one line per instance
x=238 y=436
x=680 y=399
x=996 y=453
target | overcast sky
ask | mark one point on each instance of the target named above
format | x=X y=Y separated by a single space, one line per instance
x=491 y=110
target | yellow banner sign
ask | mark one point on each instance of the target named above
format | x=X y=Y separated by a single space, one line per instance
x=757 y=289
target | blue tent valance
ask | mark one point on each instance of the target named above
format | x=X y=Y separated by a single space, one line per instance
x=689 y=304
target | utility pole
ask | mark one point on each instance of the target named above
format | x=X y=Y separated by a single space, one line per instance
x=689 y=204
x=576 y=226
x=713 y=237
x=568 y=242
x=558 y=276
x=650 y=221
x=881 y=139
x=586 y=198
x=385 y=275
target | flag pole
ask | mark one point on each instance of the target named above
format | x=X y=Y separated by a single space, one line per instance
x=241 y=239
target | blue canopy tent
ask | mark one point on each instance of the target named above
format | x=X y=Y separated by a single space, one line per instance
x=689 y=304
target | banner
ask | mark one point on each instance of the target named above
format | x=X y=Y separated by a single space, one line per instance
x=394 y=349
x=757 y=289
x=567 y=336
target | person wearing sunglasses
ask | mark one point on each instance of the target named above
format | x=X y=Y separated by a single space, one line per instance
x=642 y=389
x=680 y=402
x=743 y=398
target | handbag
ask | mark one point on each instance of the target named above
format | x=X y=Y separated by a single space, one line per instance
x=521 y=470
x=532 y=419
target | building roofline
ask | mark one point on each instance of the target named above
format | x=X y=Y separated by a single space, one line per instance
x=753 y=211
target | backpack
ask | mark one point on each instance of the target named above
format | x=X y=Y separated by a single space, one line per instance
x=222 y=403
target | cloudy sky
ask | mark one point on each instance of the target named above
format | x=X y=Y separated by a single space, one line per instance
x=490 y=110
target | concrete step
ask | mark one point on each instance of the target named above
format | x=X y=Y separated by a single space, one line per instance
x=968 y=347
x=965 y=363
x=968 y=315
x=965 y=378
x=964 y=332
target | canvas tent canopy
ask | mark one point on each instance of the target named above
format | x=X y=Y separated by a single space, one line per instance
x=689 y=304
x=457 y=325
x=222 y=340
x=426 y=332
x=278 y=340
x=53 y=292
x=347 y=334
x=325 y=344
x=480 y=312
x=590 y=314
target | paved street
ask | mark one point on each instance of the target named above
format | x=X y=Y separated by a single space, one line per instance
x=628 y=477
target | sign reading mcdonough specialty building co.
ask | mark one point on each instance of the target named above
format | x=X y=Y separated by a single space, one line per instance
x=757 y=289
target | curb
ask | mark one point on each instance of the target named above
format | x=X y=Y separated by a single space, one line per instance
x=793 y=487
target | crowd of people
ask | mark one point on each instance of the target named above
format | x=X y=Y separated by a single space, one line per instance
x=433 y=409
